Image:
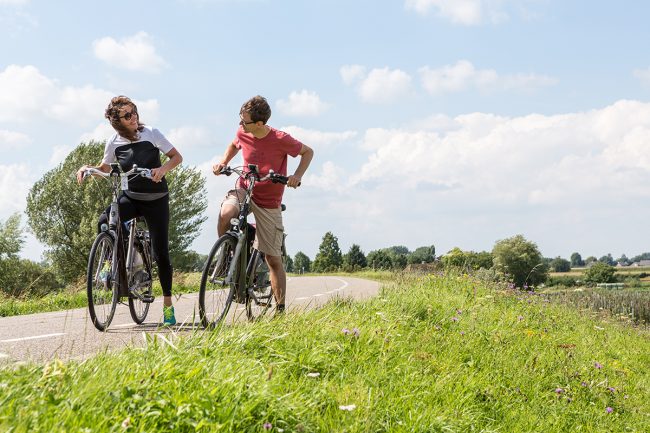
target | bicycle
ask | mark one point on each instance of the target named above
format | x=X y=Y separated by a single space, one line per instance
x=234 y=270
x=119 y=266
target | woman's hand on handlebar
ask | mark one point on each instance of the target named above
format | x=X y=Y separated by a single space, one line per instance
x=81 y=174
x=157 y=174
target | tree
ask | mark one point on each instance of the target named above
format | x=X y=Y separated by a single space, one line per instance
x=422 y=255
x=289 y=264
x=520 y=260
x=379 y=259
x=18 y=276
x=576 y=260
x=623 y=260
x=63 y=215
x=354 y=260
x=398 y=249
x=301 y=263
x=608 y=259
x=329 y=256
x=590 y=259
x=600 y=273
x=559 y=264
x=467 y=260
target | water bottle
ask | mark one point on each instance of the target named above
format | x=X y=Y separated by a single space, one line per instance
x=112 y=216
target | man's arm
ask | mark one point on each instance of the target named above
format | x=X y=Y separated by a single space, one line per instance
x=230 y=153
x=306 y=154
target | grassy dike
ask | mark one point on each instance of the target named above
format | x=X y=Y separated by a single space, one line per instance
x=430 y=354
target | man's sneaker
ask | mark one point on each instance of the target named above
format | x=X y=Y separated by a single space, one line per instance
x=168 y=316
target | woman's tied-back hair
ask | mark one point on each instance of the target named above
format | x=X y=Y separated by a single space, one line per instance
x=258 y=109
x=112 y=113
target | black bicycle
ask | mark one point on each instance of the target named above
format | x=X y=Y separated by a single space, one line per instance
x=120 y=260
x=234 y=270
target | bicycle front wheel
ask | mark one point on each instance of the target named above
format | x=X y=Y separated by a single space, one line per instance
x=215 y=294
x=101 y=287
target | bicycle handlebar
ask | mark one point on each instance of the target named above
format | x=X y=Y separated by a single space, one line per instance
x=137 y=171
x=272 y=176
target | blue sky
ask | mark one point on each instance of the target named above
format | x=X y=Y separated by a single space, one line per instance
x=452 y=123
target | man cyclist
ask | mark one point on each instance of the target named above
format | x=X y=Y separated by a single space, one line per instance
x=267 y=148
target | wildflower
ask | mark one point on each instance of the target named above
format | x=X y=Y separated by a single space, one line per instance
x=462 y=332
x=611 y=389
x=455 y=319
x=598 y=365
x=345 y=331
x=356 y=332
x=559 y=390
x=313 y=374
x=459 y=312
x=127 y=422
x=267 y=426
x=609 y=409
x=583 y=384
x=520 y=318
x=437 y=328
x=349 y=407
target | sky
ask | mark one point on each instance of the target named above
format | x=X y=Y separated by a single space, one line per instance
x=454 y=123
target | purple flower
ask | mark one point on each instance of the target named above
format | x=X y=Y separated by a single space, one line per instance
x=345 y=331
x=459 y=312
x=455 y=319
x=559 y=390
x=598 y=365
x=356 y=332
x=462 y=332
x=520 y=318
x=583 y=383
x=611 y=389
x=267 y=426
x=609 y=409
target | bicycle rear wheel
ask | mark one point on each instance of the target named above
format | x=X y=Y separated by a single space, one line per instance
x=215 y=294
x=259 y=301
x=101 y=286
x=141 y=283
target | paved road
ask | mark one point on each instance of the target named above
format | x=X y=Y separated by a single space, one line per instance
x=71 y=335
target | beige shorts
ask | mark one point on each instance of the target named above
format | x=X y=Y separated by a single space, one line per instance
x=269 y=231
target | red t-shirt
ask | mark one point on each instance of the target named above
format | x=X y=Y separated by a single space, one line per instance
x=268 y=153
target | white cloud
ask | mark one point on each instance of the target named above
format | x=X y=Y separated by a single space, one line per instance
x=134 y=53
x=189 y=137
x=319 y=139
x=24 y=91
x=80 y=104
x=384 y=85
x=470 y=12
x=13 y=2
x=563 y=160
x=331 y=178
x=10 y=140
x=59 y=153
x=303 y=103
x=642 y=75
x=463 y=76
x=102 y=131
x=352 y=73
x=15 y=182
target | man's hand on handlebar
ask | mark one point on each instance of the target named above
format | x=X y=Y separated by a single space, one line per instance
x=293 y=181
x=216 y=168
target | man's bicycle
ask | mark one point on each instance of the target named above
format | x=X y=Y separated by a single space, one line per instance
x=234 y=270
x=120 y=260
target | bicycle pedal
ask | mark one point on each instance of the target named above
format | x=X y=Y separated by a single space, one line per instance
x=147 y=299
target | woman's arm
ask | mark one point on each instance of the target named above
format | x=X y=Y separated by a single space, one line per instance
x=175 y=158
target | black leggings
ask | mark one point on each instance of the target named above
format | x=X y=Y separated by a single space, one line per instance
x=156 y=214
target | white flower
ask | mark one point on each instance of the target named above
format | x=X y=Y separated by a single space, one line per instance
x=349 y=407
x=313 y=374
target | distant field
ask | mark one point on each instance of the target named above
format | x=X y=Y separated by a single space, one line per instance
x=579 y=271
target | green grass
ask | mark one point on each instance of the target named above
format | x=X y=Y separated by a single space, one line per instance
x=432 y=354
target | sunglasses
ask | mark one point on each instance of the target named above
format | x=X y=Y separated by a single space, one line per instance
x=242 y=122
x=128 y=115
